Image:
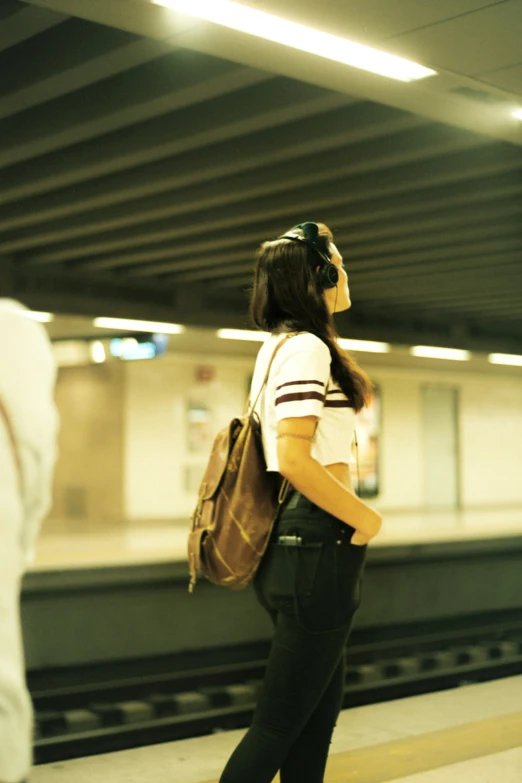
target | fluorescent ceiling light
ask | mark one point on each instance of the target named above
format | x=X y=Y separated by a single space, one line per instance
x=364 y=345
x=428 y=352
x=505 y=358
x=97 y=352
x=43 y=318
x=242 y=334
x=138 y=326
x=297 y=36
x=518 y=114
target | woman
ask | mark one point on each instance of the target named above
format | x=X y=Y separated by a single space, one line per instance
x=309 y=578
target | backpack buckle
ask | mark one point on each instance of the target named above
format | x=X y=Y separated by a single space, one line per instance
x=196 y=516
x=197 y=512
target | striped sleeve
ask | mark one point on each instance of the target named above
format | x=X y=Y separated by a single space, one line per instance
x=301 y=382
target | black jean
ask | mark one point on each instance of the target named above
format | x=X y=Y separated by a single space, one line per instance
x=310 y=586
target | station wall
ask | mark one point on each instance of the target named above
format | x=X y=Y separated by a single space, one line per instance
x=88 y=479
x=128 y=452
x=158 y=459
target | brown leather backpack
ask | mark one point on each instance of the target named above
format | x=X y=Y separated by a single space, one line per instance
x=237 y=505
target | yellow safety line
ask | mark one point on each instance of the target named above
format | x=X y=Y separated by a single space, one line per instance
x=392 y=761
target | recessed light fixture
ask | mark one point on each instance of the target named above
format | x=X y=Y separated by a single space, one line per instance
x=364 y=345
x=428 y=352
x=505 y=358
x=297 y=36
x=129 y=325
x=43 y=318
x=97 y=352
x=242 y=334
x=518 y=114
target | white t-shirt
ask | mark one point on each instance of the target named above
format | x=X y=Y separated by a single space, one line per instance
x=300 y=384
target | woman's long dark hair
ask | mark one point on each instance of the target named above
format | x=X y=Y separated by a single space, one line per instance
x=287 y=296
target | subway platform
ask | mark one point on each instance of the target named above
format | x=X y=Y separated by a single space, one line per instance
x=154 y=541
x=472 y=734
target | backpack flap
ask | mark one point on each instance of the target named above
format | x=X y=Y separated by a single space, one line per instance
x=202 y=518
x=218 y=461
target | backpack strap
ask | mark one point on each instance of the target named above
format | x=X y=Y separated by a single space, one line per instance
x=278 y=346
x=285 y=486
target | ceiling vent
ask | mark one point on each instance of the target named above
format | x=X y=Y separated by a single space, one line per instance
x=479 y=95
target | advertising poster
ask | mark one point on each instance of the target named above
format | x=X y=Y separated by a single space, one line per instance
x=200 y=425
x=199 y=428
x=367 y=427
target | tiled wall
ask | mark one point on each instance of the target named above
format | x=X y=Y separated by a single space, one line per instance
x=88 y=483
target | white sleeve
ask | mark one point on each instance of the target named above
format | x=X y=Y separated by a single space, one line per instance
x=39 y=471
x=16 y=714
x=301 y=382
x=27 y=380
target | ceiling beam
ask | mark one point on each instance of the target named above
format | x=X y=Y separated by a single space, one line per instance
x=463 y=292
x=193 y=305
x=405 y=264
x=325 y=129
x=196 y=263
x=249 y=158
x=432 y=98
x=398 y=271
x=275 y=181
x=67 y=64
x=236 y=111
x=393 y=256
x=401 y=215
x=155 y=89
x=411 y=244
x=418 y=177
x=26 y=23
x=135 y=16
x=499 y=309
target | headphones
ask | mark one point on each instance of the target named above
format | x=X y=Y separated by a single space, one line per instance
x=328 y=274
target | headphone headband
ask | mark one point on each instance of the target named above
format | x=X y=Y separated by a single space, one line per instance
x=309 y=243
x=329 y=274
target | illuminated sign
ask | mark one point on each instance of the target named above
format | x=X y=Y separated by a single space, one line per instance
x=142 y=347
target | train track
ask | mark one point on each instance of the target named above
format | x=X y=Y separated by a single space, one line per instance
x=123 y=705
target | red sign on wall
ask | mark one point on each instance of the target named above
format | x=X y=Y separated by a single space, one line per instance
x=205 y=374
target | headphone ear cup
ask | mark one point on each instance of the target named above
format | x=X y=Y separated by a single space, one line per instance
x=329 y=275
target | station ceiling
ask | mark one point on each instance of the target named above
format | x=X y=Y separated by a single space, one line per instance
x=144 y=156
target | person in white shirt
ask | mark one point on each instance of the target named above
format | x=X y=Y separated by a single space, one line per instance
x=309 y=579
x=28 y=429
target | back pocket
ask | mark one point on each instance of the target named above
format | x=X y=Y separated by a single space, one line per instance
x=288 y=572
x=329 y=602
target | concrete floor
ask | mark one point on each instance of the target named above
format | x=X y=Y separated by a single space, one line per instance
x=167 y=541
x=505 y=767
x=471 y=735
